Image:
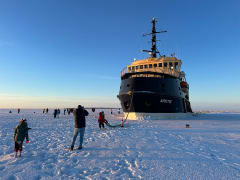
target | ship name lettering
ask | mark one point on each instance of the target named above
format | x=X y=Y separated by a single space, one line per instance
x=167 y=101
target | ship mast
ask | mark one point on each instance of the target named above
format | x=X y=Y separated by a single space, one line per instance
x=154 y=39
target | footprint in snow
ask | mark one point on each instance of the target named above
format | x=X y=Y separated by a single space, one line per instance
x=236 y=164
x=86 y=154
x=221 y=159
x=12 y=177
x=74 y=160
x=37 y=177
x=2 y=168
x=190 y=153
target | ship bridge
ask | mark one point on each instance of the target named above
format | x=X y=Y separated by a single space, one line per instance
x=164 y=65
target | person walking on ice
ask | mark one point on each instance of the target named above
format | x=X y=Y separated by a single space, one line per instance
x=55 y=113
x=80 y=124
x=21 y=132
x=101 y=120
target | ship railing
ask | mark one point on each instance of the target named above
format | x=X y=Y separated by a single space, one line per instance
x=124 y=71
x=159 y=70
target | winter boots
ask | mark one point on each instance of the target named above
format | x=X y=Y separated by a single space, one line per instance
x=16 y=154
x=71 y=148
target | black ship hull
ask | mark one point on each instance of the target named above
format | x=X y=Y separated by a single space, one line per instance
x=160 y=94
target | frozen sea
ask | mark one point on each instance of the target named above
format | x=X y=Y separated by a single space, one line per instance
x=146 y=149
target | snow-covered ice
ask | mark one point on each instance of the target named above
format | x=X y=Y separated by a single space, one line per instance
x=150 y=149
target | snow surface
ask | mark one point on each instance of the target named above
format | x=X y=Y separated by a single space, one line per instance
x=150 y=149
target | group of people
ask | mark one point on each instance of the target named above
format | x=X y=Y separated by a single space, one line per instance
x=69 y=111
x=45 y=111
x=18 y=111
x=21 y=131
x=112 y=111
x=56 y=113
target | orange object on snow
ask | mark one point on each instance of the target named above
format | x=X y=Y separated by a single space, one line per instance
x=122 y=123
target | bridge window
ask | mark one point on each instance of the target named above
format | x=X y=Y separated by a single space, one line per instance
x=136 y=67
x=129 y=68
x=155 y=65
x=141 y=66
x=145 y=66
x=176 y=65
x=165 y=64
x=160 y=65
x=150 y=65
x=133 y=68
x=171 y=65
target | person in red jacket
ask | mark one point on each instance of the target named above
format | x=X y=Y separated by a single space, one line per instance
x=101 y=119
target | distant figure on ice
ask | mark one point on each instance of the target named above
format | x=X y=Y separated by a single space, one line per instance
x=46 y=110
x=119 y=111
x=101 y=120
x=18 y=111
x=55 y=113
x=111 y=111
x=58 y=112
x=10 y=111
x=80 y=124
x=21 y=132
x=64 y=111
x=68 y=111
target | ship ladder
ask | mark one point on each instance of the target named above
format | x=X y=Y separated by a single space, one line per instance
x=123 y=121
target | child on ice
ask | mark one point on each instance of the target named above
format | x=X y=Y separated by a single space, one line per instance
x=101 y=120
x=21 y=132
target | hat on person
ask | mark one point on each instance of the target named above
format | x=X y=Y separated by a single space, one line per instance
x=79 y=107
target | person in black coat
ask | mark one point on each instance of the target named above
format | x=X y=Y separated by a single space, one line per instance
x=55 y=113
x=80 y=124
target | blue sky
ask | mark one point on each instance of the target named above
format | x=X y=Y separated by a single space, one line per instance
x=59 y=53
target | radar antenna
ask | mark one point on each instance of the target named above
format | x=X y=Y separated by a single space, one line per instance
x=154 y=39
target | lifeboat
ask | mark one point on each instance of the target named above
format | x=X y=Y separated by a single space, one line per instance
x=184 y=84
